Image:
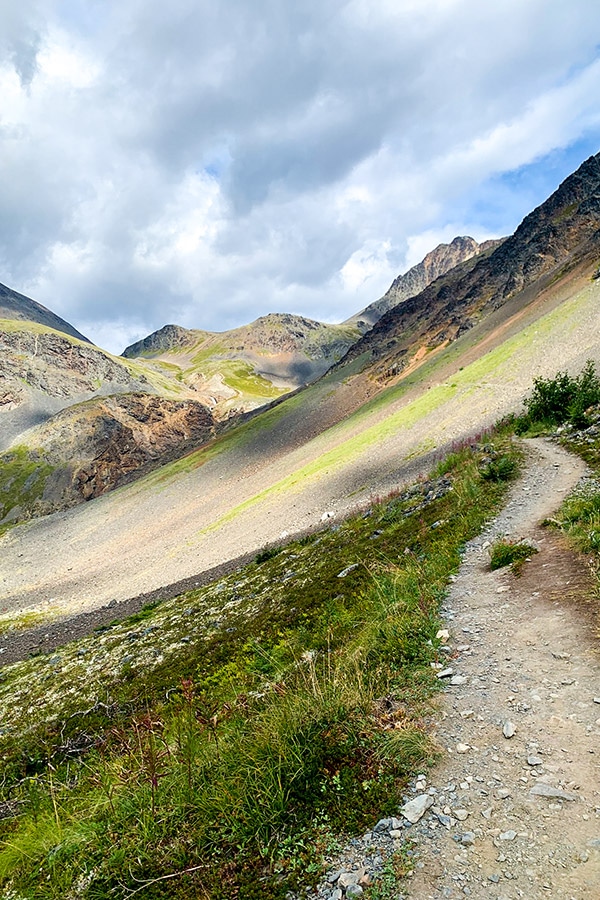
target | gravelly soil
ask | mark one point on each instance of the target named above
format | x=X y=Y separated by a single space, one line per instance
x=526 y=651
x=533 y=660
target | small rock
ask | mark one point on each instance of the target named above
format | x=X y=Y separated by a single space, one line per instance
x=467 y=713
x=415 y=809
x=354 y=890
x=508 y=729
x=460 y=814
x=468 y=838
x=534 y=761
x=494 y=878
x=347 y=879
x=442 y=635
x=462 y=748
x=502 y=793
x=458 y=679
x=546 y=790
x=509 y=835
x=445 y=673
x=347 y=570
x=487 y=813
x=443 y=819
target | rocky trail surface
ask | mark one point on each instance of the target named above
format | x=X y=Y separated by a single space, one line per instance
x=512 y=810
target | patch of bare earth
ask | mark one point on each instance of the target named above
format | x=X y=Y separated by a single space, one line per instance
x=516 y=797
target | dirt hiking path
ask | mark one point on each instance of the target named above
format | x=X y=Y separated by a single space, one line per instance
x=518 y=816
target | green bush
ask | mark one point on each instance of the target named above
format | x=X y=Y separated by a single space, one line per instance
x=502 y=469
x=561 y=399
x=267 y=554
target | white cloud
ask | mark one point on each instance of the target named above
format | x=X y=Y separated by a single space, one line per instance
x=206 y=163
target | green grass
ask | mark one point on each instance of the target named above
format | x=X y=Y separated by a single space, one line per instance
x=213 y=746
x=510 y=553
x=579 y=516
x=20 y=621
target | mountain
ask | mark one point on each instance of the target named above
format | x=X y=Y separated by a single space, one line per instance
x=247 y=366
x=559 y=237
x=17 y=306
x=42 y=371
x=436 y=370
x=300 y=676
x=76 y=421
x=436 y=263
x=89 y=448
x=413 y=358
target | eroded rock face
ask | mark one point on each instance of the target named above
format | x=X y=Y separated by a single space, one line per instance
x=132 y=431
x=92 y=447
x=56 y=365
x=41 y=372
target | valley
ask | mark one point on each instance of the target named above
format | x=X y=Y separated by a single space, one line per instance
x=314 y=454
x=224 y=559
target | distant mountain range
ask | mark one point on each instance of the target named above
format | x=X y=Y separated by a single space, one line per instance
x=93 y=419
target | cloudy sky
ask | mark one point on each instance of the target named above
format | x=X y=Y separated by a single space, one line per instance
x=204 y=162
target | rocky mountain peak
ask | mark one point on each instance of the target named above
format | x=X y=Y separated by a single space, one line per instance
x=563 y=233
x=435 y=264
x=166 y=338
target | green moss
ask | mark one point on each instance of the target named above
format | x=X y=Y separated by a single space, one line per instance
x=23 y=476
x=20 y=621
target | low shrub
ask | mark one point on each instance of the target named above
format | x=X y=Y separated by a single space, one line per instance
x=508 y=553
x=502 y=469
x=267 y=554
x=561 y=399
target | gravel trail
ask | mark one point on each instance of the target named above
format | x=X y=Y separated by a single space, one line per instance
x=512 y=810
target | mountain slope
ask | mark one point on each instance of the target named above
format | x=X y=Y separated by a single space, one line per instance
x=557 y=237
x=398 y=394
x=283 y=472
x=17 y=306
x=530 y=308
x=435 y=264
x=42 y=371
